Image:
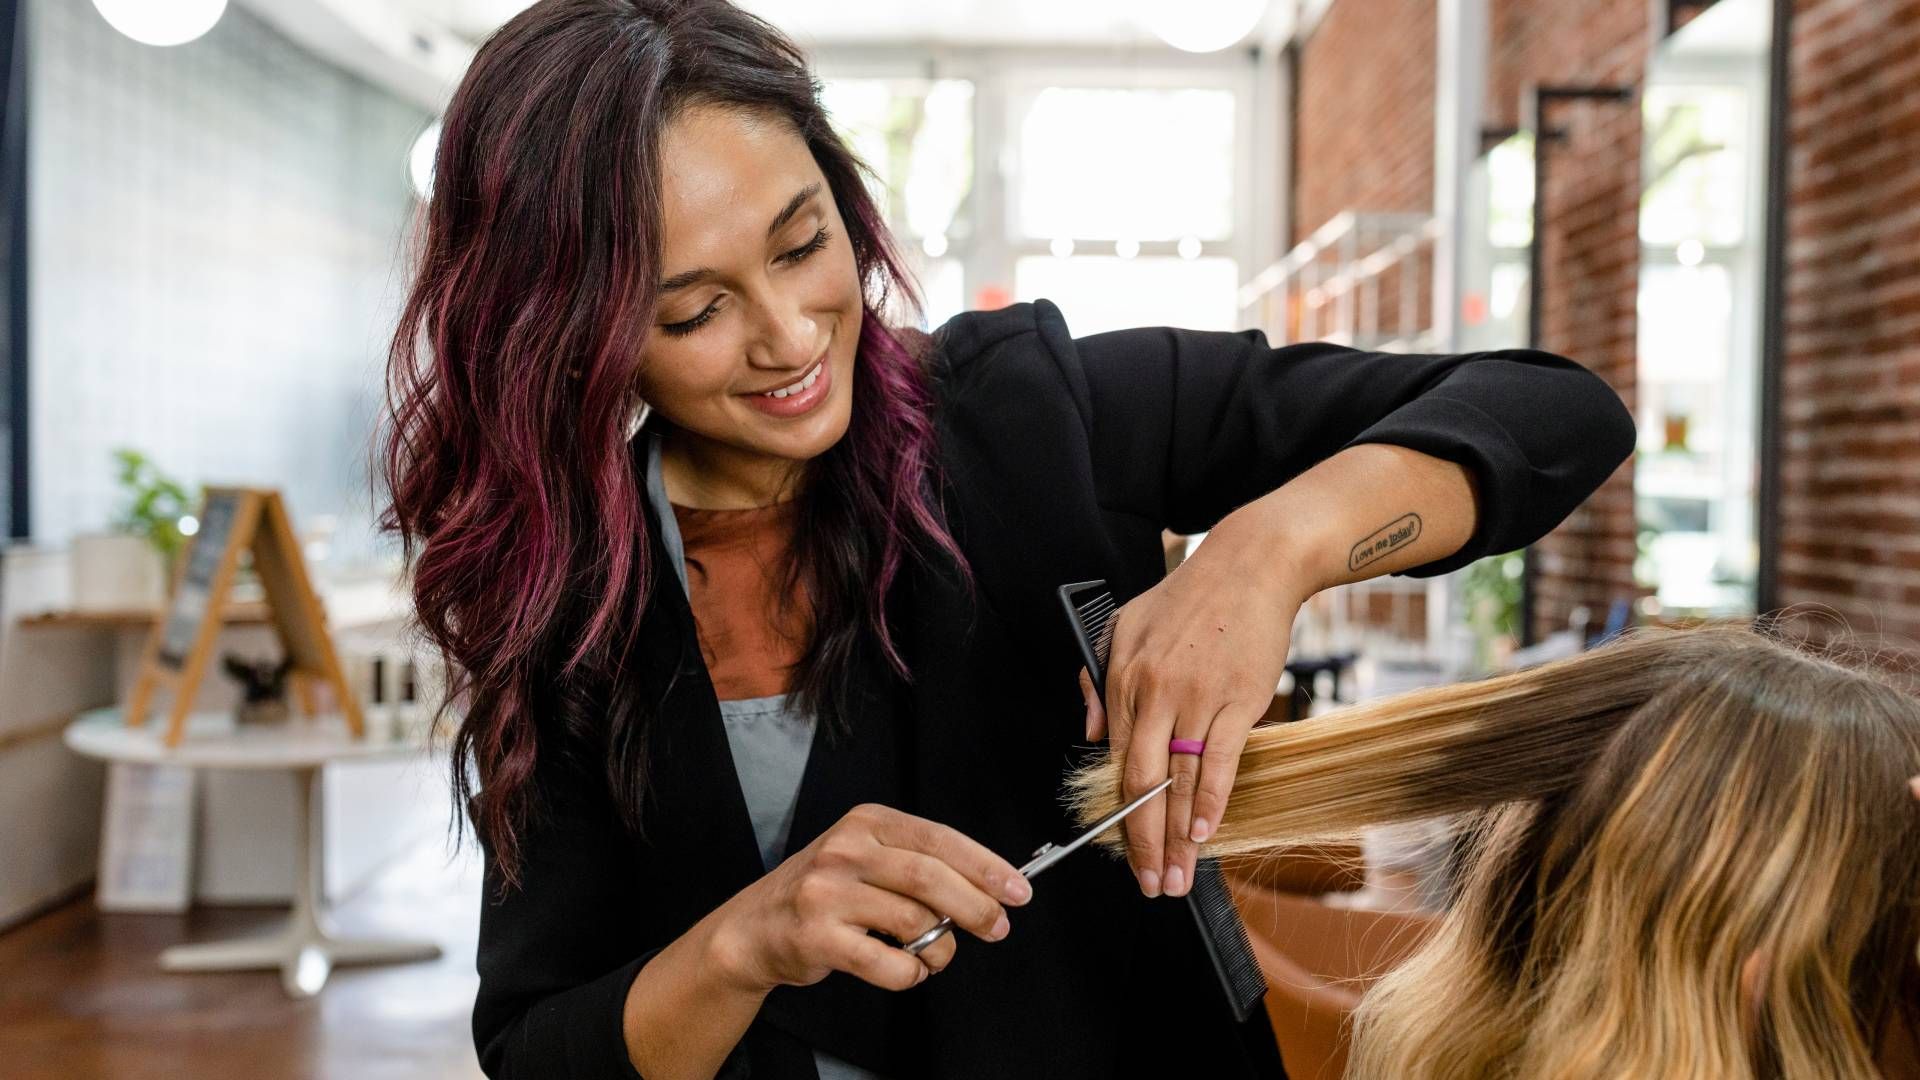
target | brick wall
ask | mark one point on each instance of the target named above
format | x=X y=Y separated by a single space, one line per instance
x=1364 y=139
x=1591 y=253
x=1850 y=457
x=1850 y=469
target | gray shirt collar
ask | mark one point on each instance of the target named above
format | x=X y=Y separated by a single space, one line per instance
x=663 y=508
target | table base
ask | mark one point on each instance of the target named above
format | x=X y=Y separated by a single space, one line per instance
x=305 y=951
x=304 y=960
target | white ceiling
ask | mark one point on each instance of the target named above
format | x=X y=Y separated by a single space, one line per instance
x=1018 y=22
x=420 y=48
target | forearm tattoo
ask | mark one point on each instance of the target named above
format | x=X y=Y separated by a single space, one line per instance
x=1403 y=531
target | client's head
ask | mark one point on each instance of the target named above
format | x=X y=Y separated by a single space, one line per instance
x=1687 y=853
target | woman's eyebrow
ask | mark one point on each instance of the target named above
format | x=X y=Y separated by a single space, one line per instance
x=693 y=277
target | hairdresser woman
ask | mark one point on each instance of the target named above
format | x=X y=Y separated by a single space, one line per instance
x=766 y=684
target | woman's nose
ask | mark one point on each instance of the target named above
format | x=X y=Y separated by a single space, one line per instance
x=792 y=338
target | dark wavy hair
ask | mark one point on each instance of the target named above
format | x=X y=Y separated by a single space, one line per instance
x=513 y=375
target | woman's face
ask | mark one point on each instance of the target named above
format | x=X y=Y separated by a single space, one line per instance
x=759 y=294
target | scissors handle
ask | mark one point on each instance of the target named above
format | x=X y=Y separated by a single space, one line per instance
x=1046 y=856
x=945 y=925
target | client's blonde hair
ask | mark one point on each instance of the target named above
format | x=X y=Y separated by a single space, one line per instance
x=1647 y=826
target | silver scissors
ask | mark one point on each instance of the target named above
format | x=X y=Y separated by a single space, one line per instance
x=1043 y=858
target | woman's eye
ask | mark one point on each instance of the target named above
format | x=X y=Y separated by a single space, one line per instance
x=688 y=327
x=819 y=241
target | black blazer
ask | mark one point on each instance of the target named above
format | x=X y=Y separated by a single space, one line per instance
x=1064 y=460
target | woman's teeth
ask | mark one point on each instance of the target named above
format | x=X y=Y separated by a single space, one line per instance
x=787 y=391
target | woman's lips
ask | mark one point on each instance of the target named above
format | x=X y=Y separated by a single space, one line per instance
x=796 y=404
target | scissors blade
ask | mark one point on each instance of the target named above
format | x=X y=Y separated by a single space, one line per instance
x=1050 y=854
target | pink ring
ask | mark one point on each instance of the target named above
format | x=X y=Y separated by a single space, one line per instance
x=1186 y=746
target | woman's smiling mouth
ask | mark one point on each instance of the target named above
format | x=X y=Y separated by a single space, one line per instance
x=797 y=397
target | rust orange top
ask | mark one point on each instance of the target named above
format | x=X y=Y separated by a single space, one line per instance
x=751 y=630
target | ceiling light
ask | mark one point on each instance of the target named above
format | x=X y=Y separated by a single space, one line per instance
x=1200 y=26
x=161 y=22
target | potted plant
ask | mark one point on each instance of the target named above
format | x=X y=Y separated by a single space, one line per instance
x=125 y=568
x=1490 y=591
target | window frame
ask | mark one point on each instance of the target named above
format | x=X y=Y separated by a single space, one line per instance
x=1744 y=263
x=1001 y=74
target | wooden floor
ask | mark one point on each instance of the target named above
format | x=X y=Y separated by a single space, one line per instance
x=81 y=996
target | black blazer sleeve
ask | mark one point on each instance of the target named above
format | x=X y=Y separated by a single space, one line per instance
x=557 y=954
x=1220 y=418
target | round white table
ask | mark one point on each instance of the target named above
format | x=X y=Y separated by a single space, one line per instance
x=304 y=950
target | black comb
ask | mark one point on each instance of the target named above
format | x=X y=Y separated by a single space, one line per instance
x=1090 y=608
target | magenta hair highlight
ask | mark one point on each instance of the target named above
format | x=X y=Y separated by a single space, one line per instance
x=513 y=372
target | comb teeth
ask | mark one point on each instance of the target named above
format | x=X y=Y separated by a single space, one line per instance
x=1225 y=937
x=1096 y=617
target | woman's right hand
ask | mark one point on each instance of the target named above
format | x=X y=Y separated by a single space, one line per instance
x=877 y=868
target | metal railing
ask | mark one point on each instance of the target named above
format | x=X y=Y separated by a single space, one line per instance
x=1336 y=284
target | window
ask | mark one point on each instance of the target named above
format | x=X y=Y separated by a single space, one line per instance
x=917 y=136
x=1701 y=226
x=1496 y=249
x=1107 y=164
x=1124 y=200
x=1106 y=292
x=1118 y=193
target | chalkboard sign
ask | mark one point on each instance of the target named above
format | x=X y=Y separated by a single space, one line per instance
x=232 y=521
x=195 y=587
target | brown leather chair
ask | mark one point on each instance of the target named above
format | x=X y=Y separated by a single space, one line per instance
x=1307 y=871
x=1318 y=961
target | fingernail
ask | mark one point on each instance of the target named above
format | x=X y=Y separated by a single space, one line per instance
x=1000 y=928
x=1176 y=882
x=1150 y=882
x=1200 y=830
x=1017 y=890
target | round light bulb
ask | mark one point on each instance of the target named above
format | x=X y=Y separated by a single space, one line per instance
x=161 y=22
x=1200 y=26
x=1126 y=249
x=420 y=161
x=934 y=244
x=1061 y=247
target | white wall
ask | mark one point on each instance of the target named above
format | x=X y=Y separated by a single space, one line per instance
x=213 y=240
x=214 y=237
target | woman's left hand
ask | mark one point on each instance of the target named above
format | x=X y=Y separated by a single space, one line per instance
x=1198 y=656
